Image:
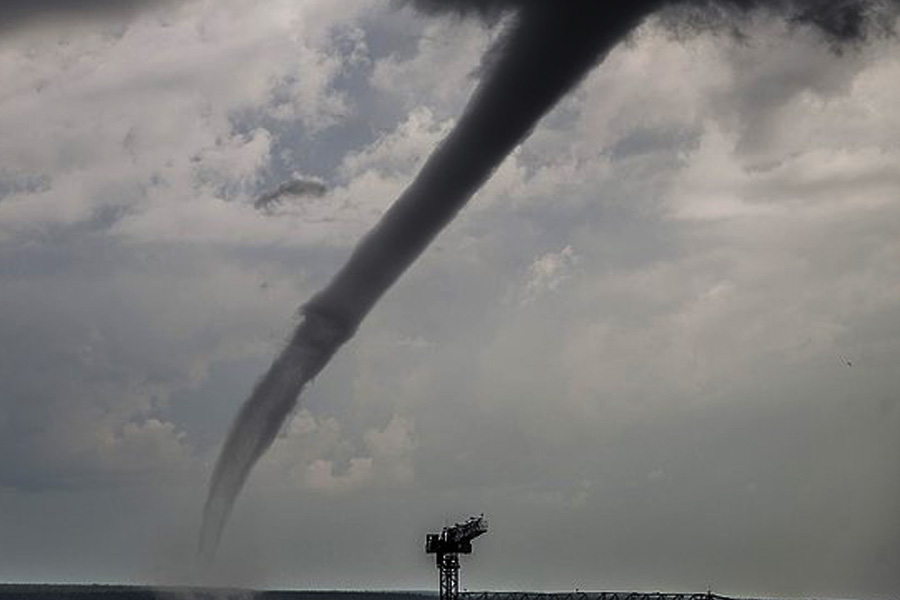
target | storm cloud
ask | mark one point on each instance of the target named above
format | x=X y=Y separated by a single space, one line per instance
x=627 y=350
x=842 y=21
x=18 y=13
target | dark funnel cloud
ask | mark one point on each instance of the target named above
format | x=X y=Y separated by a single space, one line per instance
x=547 y=47
x=544 y=53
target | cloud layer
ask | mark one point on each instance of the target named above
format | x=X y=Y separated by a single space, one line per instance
x=634 y=334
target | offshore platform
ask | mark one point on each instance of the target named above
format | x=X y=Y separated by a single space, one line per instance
x=447 y=545
x=454 y=540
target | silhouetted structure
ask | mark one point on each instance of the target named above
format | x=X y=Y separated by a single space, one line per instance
x=447 y=546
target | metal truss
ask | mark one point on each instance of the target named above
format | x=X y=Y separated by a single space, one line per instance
x=449 y=576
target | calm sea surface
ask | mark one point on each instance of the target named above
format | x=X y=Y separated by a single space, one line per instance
x=121 y=592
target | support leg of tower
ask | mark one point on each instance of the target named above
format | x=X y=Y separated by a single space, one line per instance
x=448 y=565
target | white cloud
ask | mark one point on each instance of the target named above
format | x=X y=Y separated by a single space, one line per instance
x=317 y=455
x=401 y=151
x=440 y=72
x=391 y=449
x=143 y=117
x=549 y=272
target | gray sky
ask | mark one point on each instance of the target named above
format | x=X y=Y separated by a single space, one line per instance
x=631 y=351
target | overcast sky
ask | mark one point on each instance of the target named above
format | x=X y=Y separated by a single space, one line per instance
x=659 y=350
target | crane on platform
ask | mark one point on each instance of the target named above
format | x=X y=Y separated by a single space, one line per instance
x=447 y=545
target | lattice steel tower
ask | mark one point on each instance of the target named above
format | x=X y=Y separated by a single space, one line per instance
x=448 y=545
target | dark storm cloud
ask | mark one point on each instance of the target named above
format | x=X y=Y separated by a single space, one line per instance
x=546 y=50
x=23 y=12
x=841 y=20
